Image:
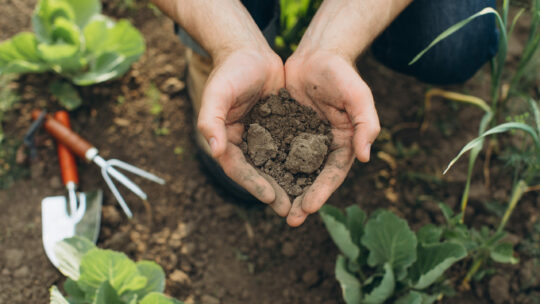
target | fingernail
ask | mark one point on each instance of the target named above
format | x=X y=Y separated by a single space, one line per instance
x=213 y=145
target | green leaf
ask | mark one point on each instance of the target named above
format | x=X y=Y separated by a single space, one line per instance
x=106 y=294
x=66 y=94
x=355 y=222
x=84 y=10
x=350 y=286
x=429 y=234
x=454 y=28
x=505 y=127
x=122 y=38
x=536 y=112
x=100 y=265
x=20 y=55
x=446 y=211
x=56 y=296
x=504 y=253
x=154 y=275
x=46 y=13
x=158 y=298
x=413 y=297
x=433 y=261
x=384 y=290
x=336 y=225
x=69 y=253
x=74 y=293
x=390 y=240
x=95 y=32
x=107 y=66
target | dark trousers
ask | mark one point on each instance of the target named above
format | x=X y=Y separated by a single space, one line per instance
x=454 y=60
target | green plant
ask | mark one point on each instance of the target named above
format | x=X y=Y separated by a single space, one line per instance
x=526 y=159
x=382 y=259
x=101 y=276
x=294 y=19
x=7 y=99
x=73 y=39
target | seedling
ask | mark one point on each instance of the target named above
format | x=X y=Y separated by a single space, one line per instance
x=102 y=276
x=382 y=259
x=73 y=39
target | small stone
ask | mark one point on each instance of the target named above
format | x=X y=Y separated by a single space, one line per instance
x=21 y=272
x=178 y=276
x=261 y=146
x=307 y=153
x=55 y=182
x=264 y=110
x=499 y=289
x=302 y=181
x=111 y=215
x=122 y=122
x=311 y=277
x=288 y=249
x=295 y=190
x=208 y=299
x=288 y=178
x=173 y=85
x=188 y=249
x=185 y=229
x=13 y=258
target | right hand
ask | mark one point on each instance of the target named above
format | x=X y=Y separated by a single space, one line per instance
x=239 y=79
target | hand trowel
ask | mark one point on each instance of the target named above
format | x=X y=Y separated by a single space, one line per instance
x=77 y=215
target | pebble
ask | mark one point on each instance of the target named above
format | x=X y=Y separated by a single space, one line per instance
x=173 y=85
x=311 y=277
x=288 y=249
x=180 y=277
x=188 y=249
x=499 y=289
x=111 y=215
x=21 y=272
x=208 y=299
x=13 y=257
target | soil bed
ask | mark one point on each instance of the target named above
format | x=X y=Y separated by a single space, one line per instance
x=287 y=141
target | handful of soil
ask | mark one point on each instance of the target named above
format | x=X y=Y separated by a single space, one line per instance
x=287 y=141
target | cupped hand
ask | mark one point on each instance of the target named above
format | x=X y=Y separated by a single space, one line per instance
x=239 y=79
x=330 y=84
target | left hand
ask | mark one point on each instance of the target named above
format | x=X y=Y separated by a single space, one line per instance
x=330 y=84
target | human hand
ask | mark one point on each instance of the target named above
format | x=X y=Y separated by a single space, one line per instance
x=329 y=83
x=239 y=79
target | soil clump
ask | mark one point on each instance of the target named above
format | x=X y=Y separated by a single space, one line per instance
x=286 y=140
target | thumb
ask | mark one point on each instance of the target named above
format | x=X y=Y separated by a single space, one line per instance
x=211 y=120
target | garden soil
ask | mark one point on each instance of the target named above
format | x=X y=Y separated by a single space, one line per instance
x=287 y=141
x=212 y=249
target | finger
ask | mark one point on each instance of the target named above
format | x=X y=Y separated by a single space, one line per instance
x=234 y=133
x=211 y=120
x=282 y=204
x=297 y=215
x=236 y=167
x=332 y=176
x=363 y=116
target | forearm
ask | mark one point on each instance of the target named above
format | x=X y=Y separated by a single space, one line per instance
x=349 y=26
x=219 y=26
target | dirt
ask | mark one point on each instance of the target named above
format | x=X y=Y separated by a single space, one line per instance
x=287 y=141
x=212 y=249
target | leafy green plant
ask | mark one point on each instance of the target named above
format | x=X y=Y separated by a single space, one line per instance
x=294 y=19
x=382 y=259
x=526 y=159
x=73 y=39
x=7 y=99
x=100 y=276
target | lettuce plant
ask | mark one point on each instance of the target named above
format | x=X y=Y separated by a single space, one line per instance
x=73 y=39
x=382 y=259
x=100 y=276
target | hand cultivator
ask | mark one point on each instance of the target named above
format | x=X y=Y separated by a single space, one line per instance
x=85 y=150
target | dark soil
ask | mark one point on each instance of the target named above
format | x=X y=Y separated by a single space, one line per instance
x=287 y=141
x=212 y=249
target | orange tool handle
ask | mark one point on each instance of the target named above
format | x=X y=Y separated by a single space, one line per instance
x=68 y=166
x=64 y=135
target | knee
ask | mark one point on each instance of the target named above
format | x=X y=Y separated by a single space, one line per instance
x=456 y=58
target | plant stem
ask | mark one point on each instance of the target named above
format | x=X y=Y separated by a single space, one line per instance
x=518 y=191
x=473 y=270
